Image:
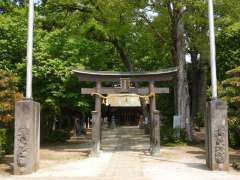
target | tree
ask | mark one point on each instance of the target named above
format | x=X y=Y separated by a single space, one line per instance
x=8 y=98
x=231 y=93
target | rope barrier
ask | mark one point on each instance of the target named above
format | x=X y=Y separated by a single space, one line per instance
x=148 y=96
x=105 y=97
x=98 y=94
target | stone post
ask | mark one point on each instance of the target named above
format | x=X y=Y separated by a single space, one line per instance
x=217 y=136
x=96 y=124
x=152 y=109
x=96 y=119
x=156 y=133
x=27 y=137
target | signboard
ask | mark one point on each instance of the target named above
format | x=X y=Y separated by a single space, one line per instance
x=123 y=100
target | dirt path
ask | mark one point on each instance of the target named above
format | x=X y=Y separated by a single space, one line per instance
x=125 y=157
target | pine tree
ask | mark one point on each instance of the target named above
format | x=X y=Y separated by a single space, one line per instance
x=232 y=95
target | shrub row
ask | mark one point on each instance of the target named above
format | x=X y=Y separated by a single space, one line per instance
x=59 y=135
x=170 y=135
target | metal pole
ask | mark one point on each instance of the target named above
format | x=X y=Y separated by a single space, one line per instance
x=212 y=49
x=30 y=49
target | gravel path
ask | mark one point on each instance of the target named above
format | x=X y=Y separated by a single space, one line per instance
x=125 y=157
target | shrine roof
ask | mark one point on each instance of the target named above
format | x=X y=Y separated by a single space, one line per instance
x=160 y=75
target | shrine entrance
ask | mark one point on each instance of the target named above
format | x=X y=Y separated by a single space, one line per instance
x=125 y=109
x=127 y=116
x=123 y=97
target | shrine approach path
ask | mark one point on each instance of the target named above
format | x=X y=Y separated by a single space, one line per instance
x=125 y=157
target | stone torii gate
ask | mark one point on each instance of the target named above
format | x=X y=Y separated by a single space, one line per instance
x=125 y=80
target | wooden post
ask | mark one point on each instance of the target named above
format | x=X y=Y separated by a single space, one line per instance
x=96 y=129
x=152 y=108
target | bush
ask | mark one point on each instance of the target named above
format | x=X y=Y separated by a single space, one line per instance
x=170 y=135
x=6 y=141
x=58 y=135
x=10 y=141
x=199 y=120
x=230 y=91
x=3 y=141
x=234 y=132
x=236 y=165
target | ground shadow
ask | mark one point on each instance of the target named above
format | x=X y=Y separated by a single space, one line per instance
x=198 y=154
x=6 y=165
x=78 y=148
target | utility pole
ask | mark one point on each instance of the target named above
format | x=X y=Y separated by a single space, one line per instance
x=27 y=117
x=30 y=50
x=212 y=49
x=217 y=155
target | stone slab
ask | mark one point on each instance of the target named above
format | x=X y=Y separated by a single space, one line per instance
x=177 y=122
x=27 y=137
x=177 y=125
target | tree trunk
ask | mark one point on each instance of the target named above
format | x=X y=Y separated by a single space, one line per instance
x=199 y=88
x=123 y=55
x=128 y=64
x=202 y=88
x=183 y=98
x=194 y=87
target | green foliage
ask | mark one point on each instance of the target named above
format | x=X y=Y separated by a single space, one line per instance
x=6 y=141
x=166 y=106
x=234 y=131
x=8 y=97
x=171 y=135
x=60 y=135
x=228 y=49
x=3 y=141
x=72 y=34
x=230 y=91
x=199 y=120
x=12 y=38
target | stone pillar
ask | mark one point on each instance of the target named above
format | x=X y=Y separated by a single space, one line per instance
x=152 y=109
x=156 y=133
x=96 y=124
x=27 y=137
x=217 y=136
x=96 y=119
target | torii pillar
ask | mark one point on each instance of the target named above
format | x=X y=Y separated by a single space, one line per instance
x=154 y=122
x=96 y=123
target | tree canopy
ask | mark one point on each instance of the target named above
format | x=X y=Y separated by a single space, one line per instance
x=126 y=35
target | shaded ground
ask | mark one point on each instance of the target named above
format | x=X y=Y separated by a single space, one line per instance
x=54 y=154
x=125 y=156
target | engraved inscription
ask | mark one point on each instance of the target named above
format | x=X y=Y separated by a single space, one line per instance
x=22 y=141
x=220 y=134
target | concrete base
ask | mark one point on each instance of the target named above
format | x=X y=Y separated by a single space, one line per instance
x=27 y=137
x=217 y=136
